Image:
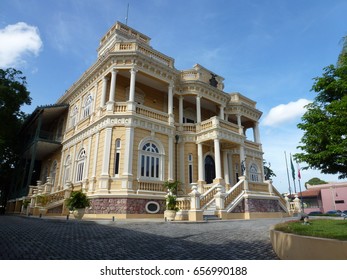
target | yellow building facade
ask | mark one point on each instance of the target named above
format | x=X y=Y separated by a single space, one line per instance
x=133 y=121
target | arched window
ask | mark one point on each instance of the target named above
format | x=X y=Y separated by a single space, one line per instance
x=87 y=108
x=73 y=117
x=67 y=168
x=117 y=158
x=150 y=161
x=53 y=172
x=81 y=159
x=253 y=172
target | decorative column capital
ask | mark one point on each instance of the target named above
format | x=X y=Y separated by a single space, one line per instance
x=133 y=70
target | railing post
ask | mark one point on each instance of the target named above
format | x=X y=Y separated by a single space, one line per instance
x=48 y=185
x=286 y=198
x=297 y=204
x=220 y=202
x=39 y=187
x=195 y=213
x=245 y=183
x=269 y=182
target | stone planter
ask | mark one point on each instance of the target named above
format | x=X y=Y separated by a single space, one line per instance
x=169 y=215
x=79 y=213
x=289 y=246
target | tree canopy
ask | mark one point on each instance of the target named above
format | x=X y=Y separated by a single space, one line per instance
x=13 y=94
x=315 y=181
x=324 y=143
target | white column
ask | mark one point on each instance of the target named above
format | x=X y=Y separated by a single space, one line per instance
x=107 y=152
x=170 y=104
x=131 y=101
x=200 y=163
x=181 y=161
x=198 y=109
x=230 y=169
x=73 y=164
x=217 y=158
x=239 y=124
x=86 y=173
x=95 y=161
x=256 y=133
x=104 y=89
x=128 y=157
x=181 y=109
x=110 y=103
x=95 y=154
x=171 y=159
x=221 y=112
x=62 y=158
x=226 y=167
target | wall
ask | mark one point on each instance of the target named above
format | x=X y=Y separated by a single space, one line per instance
x=331 y=197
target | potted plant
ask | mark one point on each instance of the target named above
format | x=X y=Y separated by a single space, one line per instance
x=77 y=202
x=171 y=202
x=25 y=205
x=41 y=202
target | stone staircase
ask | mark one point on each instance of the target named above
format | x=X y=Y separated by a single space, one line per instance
x=209 y=212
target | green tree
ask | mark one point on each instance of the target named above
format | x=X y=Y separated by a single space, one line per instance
x=269 y=173
x=315 y=181
x=13 y=94
x=324 y=143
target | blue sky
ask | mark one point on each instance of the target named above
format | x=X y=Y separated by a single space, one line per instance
x=269 y=51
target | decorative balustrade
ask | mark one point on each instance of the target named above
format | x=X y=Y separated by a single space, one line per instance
x=258 y=187
x=206 y=124
x=234 y=192
x=156 y=56
x=208 y=196
x=228 y=125
x=151 y=186
x=152 y=113
x=252 y=145
x=281 y=198
x=120 y=107
x=189 y=75
x=183 y=203
x=56 y=196
x=188 y=127
x=133 y=46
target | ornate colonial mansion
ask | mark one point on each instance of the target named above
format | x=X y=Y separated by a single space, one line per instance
x=131 y=123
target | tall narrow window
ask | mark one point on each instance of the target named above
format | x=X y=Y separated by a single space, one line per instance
x=73 y=118
x=190 y=168
x=53 y=172
x=117 y=158
x=87 y=105
x=150 y=162
x=67 y=168
x=253 y=173
x=80 y=165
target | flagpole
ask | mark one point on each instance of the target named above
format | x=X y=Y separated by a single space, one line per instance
x=299 y=178
x=293 y=172
x=290 y=189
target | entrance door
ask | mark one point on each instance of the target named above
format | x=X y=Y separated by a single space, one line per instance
x=210 y=172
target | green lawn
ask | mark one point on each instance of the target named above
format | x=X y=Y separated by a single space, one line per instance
x=335 y=229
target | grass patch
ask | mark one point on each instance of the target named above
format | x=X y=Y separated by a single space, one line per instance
x=334 y=229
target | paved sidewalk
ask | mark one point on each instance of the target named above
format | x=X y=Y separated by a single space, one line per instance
x=31 y=238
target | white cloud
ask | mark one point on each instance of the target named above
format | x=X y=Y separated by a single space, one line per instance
x=17 y=41
x=285 y=112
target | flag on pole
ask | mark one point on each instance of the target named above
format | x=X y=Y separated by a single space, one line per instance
x=299 y=174
x=292 y=166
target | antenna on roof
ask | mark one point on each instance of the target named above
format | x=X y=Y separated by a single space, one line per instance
x=126 y=18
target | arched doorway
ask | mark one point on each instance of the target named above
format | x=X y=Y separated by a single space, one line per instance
x=210 y=171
